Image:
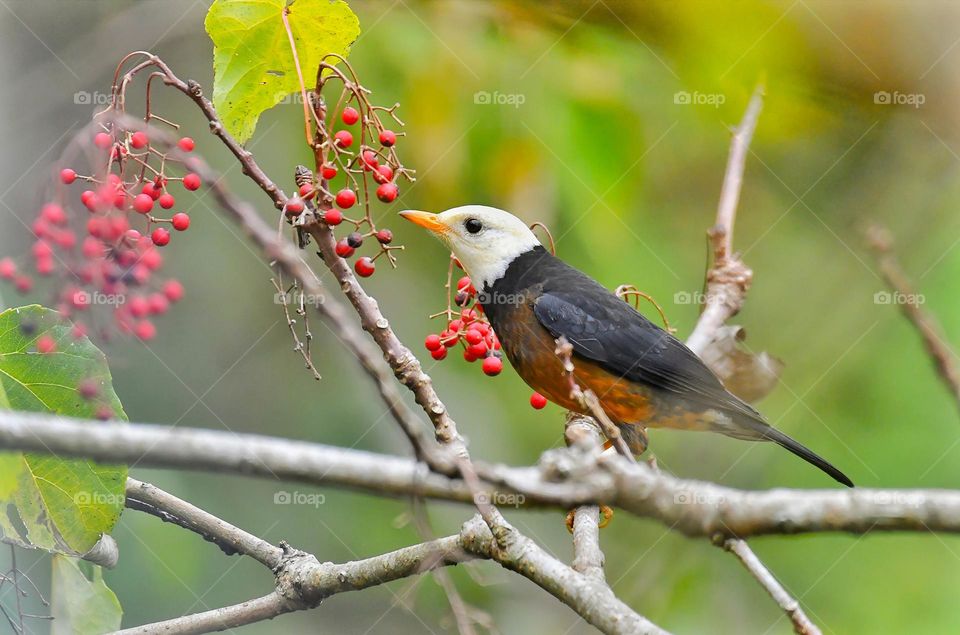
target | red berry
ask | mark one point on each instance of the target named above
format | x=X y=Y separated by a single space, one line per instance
x=370 y=160
x=145 y=330
x=160 y=236
x=158 y=303
x=468 y=315
x=448 y=338
x=46 y=344
x=104 y=413
x=191 y=181
x=383 y=174
x=166 y=201
x=186 y=144
x=102 y=140
x=45 y=266
x=388 y=138
x=67 y=176
x=466 y=285
x=387 y=192
x=473 y=336
x=468 y=356
x=143 y=203
x=88 y=388
x=333 y=217
x=138 y=306
x=478 y=350
x=343 y=139
x=433 y=343
x=79 y=331
x=344 y=250
x=364 y=267
x=294 y=207
x=455 y=325
x=346 y=198
x=23 y=284
x=181 y=221
x=42 y=249
x=492 y=366
x=350 y=115
x=8 y=269
x=53 y=213
x=173 y=290
x=385 y=236
x=151 y=190
x=439 y=354
x=89 y=200
x=538 y=401
x=306 y=190
x=328 y=171
x=139 y=140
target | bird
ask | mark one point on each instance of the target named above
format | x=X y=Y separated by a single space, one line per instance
x=643 y=376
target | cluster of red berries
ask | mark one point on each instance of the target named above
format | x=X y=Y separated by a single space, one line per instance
x=344 y=181
x=102 y=247
x=468 y=327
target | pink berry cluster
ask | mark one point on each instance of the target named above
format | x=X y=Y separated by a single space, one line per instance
x=358 y=167
x=100 y=237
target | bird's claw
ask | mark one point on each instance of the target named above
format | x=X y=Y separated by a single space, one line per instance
x=606 y=514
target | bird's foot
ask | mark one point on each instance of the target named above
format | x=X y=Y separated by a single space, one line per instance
x=606 y=514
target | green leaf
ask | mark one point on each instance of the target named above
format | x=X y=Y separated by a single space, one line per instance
x=253 y=66
x=82 y=604
x=62 y=505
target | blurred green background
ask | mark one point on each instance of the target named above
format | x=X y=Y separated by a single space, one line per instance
x=605 y=151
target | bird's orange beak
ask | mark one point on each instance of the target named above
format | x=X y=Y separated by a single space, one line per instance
x=425 y=220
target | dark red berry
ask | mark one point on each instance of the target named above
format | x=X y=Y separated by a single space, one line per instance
x=343 y=139
x=333 y=217
x=186 y=144
x=180 y=221
x=387 y=192
x=191 y=181
x=343 y=249
x=104 y=413
x=350 y=115
x=88 y=388
x=388 y=138
x=166 y=201
x=346 y=198
x=139 y=140
x=385 y=236
x=492 y=366
x=433 y=342
x=538 y=401
x=355 y=239
x=160 y=238
x=364 y=267
x=67 y=176
x=461 y=299
x=294 y=207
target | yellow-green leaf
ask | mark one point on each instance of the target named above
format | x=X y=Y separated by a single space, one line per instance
x=62 y=505
x=82 y=603
x=253 y=66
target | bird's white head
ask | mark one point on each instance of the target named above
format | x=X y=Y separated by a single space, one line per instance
x=485 y=239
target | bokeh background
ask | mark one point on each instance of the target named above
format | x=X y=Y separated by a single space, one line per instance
x=605 y=151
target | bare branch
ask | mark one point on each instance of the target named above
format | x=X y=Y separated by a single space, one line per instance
x=584 y=433
x=908 y=300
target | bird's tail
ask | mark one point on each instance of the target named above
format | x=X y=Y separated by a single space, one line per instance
x=764 y=431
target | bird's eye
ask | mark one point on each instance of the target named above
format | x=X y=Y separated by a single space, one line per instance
x=473 y=225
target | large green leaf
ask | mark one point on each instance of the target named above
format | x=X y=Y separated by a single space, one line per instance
x=81 y=603
x=253 y=67
x=46 y=502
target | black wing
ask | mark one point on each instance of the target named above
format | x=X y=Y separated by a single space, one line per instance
x=605 y=329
